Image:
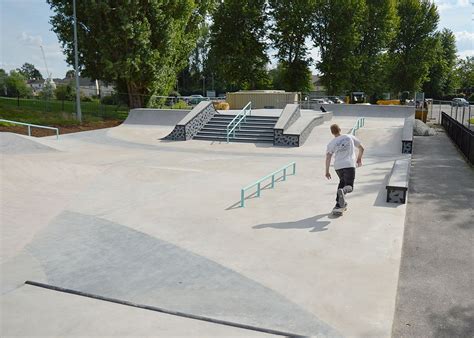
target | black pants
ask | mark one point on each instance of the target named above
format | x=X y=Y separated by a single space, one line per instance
x=346 y=178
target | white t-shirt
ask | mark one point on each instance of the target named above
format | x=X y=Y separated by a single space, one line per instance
x=343 y=148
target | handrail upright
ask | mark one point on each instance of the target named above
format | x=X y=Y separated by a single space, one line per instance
x=241 y=116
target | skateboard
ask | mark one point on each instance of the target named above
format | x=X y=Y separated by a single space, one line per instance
x=339 y=211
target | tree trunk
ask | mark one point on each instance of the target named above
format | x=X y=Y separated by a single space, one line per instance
x=135 y=97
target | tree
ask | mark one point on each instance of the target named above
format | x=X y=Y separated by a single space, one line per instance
x=30 y=72
x=378 y=30
x=3 y=80
x=465 y=73
x=337 y=33
x=292 y=26
x=70 y=74
x=441 y=79
x=138 y=45
x=65 y=92
x=410 y=50
x=16 y=85
x=237 y=42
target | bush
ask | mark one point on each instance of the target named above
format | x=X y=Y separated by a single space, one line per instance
x=471 y=98
x=180 y=105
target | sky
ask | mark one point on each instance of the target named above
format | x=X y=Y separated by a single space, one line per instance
x=24 y=27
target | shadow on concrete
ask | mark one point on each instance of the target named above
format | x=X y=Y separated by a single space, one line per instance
x=314 y=223
x=253 y=195
x=457 y=322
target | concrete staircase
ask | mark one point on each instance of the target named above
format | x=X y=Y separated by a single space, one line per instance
x=256 y=129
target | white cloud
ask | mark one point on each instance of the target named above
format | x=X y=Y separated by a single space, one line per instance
x=31 y=39
x=466 y=53
x=444 y=5
x=464 y=36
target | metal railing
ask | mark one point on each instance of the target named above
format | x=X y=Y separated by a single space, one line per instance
x=462 y=114
x=237 y=120
x=258 y=183
x=462 y=136
x=32 y=125
x=359 y=124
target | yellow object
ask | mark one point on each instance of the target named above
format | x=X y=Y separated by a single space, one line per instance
x=388 y=102
x=221 y=105
x=421 y=115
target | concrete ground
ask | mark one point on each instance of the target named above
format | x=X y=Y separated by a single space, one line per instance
x=122 y=214
x=436 y=287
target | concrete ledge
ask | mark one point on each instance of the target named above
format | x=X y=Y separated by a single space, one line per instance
x=397 y=185
x=190 y=125
x=407 y=135
x=297 y=134
x=288 y=116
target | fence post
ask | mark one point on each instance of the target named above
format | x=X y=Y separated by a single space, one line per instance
x=258 y=189
x=18 y=100
x=242 y=197
x=284 y=174
x=29 y=130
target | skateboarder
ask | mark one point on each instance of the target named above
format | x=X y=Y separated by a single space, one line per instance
x=343 y=148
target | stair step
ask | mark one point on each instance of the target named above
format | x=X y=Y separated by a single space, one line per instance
x=245 y=129
x=224 y=116
x=237 y=134
x=236 y=139
x=263 y=124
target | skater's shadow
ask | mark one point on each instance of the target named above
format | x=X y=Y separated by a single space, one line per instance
x=314 y=223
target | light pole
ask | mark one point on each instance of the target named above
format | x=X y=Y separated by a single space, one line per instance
x=76 y=67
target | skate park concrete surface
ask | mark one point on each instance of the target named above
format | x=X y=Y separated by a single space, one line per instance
x=123 y=214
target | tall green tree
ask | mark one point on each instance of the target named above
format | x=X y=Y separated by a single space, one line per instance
x=291 y=27
x=139 y=45
x=410 y=50
x=16 y=85
x=237 y=44
x=337 y=33
x=441 y=79
x=378 y=30
x=30 y=72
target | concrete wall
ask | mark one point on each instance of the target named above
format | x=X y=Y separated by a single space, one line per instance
x=369 y=110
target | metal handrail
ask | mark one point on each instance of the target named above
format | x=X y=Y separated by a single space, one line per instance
x=241 y=116
x=272 y=175
x=32 y=125
x=359 y=124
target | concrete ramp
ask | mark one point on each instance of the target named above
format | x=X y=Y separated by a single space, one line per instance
x=147 y=125
x=11 y=144
x=153 y=117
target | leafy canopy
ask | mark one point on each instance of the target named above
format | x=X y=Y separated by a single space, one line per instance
x=139 y=45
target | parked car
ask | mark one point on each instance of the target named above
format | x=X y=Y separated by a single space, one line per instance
x=337 y=100
x=195 y=99
x=459 y=102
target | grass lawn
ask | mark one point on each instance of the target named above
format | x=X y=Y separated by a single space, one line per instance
x=57 y=113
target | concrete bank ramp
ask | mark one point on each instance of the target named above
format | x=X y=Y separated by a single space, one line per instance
x=89 y=254
x=11 y=143
x=147 y=125
x=155 y=117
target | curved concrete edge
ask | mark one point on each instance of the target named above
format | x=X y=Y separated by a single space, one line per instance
x=190 y=125
x=288 y=116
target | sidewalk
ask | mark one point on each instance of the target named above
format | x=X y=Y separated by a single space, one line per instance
x=435 y=290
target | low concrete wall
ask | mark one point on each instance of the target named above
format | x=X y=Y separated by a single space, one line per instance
x=369 y=110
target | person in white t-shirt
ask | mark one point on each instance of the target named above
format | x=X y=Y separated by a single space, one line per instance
x=345 y=161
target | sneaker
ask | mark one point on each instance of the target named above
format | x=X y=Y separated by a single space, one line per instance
x=341 y=198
